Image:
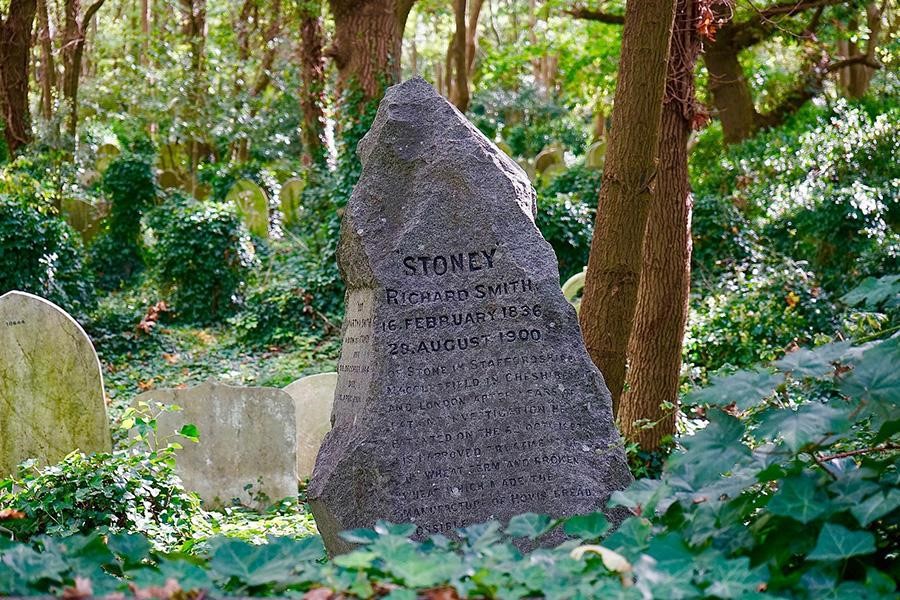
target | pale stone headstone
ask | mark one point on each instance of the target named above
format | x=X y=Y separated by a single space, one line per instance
x=552 y=172
x=247 y=438
x=51 y=387
x=290 y=195
x=84 y=217
x=252 y=205
x=169 y=180
x=464 y=390
x=105 y=155
x=313 y=398
x=548 y=157
x=596 y=154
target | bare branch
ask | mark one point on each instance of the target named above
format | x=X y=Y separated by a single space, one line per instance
x=91 y=11
x=595 y=15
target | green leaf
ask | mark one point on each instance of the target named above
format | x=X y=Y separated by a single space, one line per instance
x=744 y=389
x=359 y=536
x=358 y=559
x=630 y=539
x=874 y=292
x=712 y=451
x=586 y=527
x=810 y=423
x=131 y=547
x=799 y=498
x=876 y=506
x=876 y=382
x=190 y=432
x=387 y=528
x=272 y=562
x=529 y=525
x=733 y=578
x=837 y=543
x=814 y=363
x=642 y=496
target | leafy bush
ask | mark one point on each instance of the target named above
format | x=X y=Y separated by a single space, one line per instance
x=128 y=490
x=41 y=254
x=202 y=257
x=117 y=254
x=755 y=313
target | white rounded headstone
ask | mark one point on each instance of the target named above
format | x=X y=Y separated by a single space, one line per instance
x=313 y=398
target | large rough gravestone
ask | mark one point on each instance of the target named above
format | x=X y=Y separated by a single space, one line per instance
x=51 y=387
x=313 y=398
x=464 y=389
x=247 y=438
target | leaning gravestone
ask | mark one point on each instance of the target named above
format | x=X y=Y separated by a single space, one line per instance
x=464 y=390
x=252 y=205
x=290 y=195
x=247 y=439
x=548 y=157
x=313 y=398
x=51 y=387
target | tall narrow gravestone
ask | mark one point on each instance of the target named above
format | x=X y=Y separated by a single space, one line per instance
x=51 y=387
x=247 y=449
x=464 y=390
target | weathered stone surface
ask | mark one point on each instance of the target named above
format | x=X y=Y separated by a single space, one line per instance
x=51 y=387
x=247 y=437
x=290 y=196
x=313 y=398
x=252 y=205
x=464 y=389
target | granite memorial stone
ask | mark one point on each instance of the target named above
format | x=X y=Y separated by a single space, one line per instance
x=247 y=438
x=464 y=390
x=51 y=387
x=313 y=398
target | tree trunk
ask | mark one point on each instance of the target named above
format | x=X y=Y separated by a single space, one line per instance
x=472 y=36
x=368 y=37
x=48 y=65
x=15 y=51
x=460 y=96
x=146 y=19
x=72 y=53
x=729 y=89
x=312 y=84
x=860 y=75
x=614 y=266
x=647 y=410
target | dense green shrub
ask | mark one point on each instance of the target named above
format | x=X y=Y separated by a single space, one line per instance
x=202 y=257
x=41 y=254
x=117 y=255
x=789 y=488
x=756 y=312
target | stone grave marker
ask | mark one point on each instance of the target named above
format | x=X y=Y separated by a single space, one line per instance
x=169 y=180
x=84 y=217
x=313 y=398
x=247 y=438
x=252 y=205
x=289 y=197
x=464 y=390
x=548 y=157
x=596 y=155
x=106 y=153
x=51 y=386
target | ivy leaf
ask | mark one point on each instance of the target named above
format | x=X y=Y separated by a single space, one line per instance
x=190 y=576
x=386 y=528
x=733 y=578
x=630 y=539
x=744 y=389
x=131 y=547
x=815 y=363
x=810 y=423
x=586 y=527
x=836 y=543
x=272 y=562
x=875 y=292
x=711 y=451
x=642 y=496
x=359 y=536
x=875 y=381
x=190 y=432
x=529 y=525
x=876 y=506
x=799 y=498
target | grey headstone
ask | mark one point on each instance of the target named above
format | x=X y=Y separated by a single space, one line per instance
x=464 y=389
x=247 y=438
x=51 y=387
x=313 y=398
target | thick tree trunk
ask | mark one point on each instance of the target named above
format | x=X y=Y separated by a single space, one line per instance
x=15 y=51
x=860 y=74
x=312 y=84
x=730 y=90
x=48 y=65
x=614 y=266
x=368 y=37
x=460 y=95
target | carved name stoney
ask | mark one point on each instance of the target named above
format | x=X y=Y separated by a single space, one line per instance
x=464 y=390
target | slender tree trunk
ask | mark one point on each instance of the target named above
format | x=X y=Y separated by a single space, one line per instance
x=74 y=37
x=146 y=19
x=472 y=35
x=860 y=75
x=460 y=96
x=194 y=27
x=730 y=90
x=614 y=266
x=15 y=51
x=312 y=83
x=48 y=65
x=368 y=36
x=647 y=410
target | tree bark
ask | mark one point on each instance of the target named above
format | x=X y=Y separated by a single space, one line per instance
x=368 y=37
x=74 y=37
x=648 y=407
x=15 y=51
x=312 y=84
x=48 y=65
x=460 y=95
x=614 y=266
x=472 y=35
x=729 y=88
